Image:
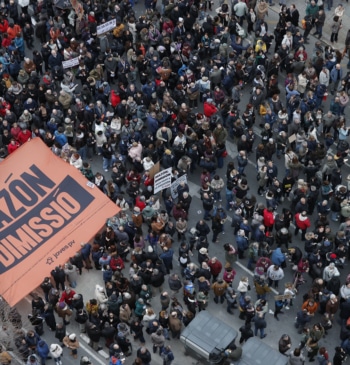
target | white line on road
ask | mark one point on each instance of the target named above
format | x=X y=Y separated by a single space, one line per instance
x=85 y=348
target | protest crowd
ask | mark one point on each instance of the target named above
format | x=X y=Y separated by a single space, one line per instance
x=165 y=89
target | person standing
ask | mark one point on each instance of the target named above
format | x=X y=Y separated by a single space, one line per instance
x=335 y=27
x=284 y=344
x=56 y=353
x=240 y=10
x=320 y=18
x=46 y=286
x=59 y=276
x=275 y=274
x=316 y=334
x=43 y=351
x=72 y=343
x=208 y=204
x=336 y=77
x=302 y=222
x=242 y=162
x=219 y=288
x=215 y=267
x=158 y=341
x=260 y=325
x=167 y=355
x=296 y=357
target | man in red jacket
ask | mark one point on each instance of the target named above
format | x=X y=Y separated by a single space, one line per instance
x=269 y=219
x=215 y=267
x=24 y=135
x=302 y=222
x=67 y=296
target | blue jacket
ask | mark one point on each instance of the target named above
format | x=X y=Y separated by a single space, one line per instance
x=85 y=251
x=42 y=349
x=334 y=74
x=242 y=243
x=167 y=257
x=152 y=125
x=278 y=257
x=238 y=48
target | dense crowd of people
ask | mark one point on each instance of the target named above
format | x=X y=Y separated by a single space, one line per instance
x=167 y=87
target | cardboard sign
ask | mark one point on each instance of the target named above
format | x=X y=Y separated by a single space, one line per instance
x=175 y=184
x=162 y=180
x=292 y=138
x=106 y=27
x=70 y=63
x=47 y=209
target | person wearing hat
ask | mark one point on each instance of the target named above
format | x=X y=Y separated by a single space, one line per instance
x=72 y=343
x=84 y=360
x=56 y=352
x=64 y=312
x=33 y=360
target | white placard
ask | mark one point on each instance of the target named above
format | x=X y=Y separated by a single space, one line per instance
x=106 y=27
x=175 y=184
x=70 y=63
x=162 y=180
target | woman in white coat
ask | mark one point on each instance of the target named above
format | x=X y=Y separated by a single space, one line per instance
x=56 y=353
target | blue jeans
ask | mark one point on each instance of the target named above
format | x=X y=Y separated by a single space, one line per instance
x=220 y=161
x=251 y=261
x=83 y=152
x=206 y=214
x=108 y=162
x=241 y=169
x=334 y=216
x=262 y=331
x=319 y=29
x=217 y=195
x=229 y=199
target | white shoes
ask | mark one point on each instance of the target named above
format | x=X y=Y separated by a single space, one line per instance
x=286 y=307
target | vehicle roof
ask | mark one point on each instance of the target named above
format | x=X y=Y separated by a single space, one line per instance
x=256 y=352
x=209 y=332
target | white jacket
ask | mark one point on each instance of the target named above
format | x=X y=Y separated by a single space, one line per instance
x=56 y=350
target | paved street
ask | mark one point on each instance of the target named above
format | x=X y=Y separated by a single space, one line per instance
x=275 y=329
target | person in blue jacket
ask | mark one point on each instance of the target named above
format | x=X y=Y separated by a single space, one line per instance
x=278 y=257
x=43 y=351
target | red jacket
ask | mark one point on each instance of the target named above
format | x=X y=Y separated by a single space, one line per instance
x=209 y=109
x=114 y=99
x=302 y=224
x=12 y=147
x=3 y=26
x=116 y=263
x=269 y=218
x=24 y=137
x=215 y=267
x=67 y=297
x=140 y=204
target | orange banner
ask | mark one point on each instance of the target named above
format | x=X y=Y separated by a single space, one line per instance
x=47 y=208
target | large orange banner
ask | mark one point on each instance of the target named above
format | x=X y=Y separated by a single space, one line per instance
x=47 y=208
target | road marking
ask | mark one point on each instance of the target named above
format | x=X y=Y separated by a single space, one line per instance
x=86 y=349
x=252 y=274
